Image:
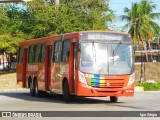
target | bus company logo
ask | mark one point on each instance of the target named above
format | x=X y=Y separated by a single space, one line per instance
x=20 y=114
x=6 y=114
x=108 y=84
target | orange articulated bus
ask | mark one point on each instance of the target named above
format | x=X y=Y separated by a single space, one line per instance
x=85 y=63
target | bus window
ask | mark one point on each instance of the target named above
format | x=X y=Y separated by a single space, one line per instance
x=34 y=53
x=65 y=51
x=30 y=58
x=57 y=51
x=42 y=53
x=20 y=54
x=37 y=53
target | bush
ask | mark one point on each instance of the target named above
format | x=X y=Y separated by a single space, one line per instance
x=149 y=86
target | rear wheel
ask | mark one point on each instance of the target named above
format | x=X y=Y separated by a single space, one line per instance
x=113 y=99
x=31 y=89
x=38 y=93
x=67 y=97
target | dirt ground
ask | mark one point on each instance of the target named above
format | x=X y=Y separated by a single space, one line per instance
x=152 y=72
x=8 y=81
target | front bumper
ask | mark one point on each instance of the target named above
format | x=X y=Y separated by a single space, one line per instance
x=88 y=91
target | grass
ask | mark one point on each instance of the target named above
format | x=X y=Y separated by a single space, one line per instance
x=150 y=86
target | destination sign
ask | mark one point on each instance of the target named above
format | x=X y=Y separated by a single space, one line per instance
x=104 y=36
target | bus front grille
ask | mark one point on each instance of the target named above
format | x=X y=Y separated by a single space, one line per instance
x=107 y=83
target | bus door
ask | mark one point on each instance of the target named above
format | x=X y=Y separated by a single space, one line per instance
x=48 y=68
x=74 y=65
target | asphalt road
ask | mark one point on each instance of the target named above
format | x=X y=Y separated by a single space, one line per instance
x=22 y=101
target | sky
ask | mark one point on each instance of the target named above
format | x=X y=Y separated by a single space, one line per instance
x=118 y=6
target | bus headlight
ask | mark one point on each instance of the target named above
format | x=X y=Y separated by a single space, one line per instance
x=131 y=79
x=82 y=78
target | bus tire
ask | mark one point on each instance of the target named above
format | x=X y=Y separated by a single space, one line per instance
x=113 y=99
x=67 y=97
x=31 y=89
x=38 y=93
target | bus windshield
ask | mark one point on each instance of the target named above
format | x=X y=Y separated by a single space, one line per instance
x=106 y=58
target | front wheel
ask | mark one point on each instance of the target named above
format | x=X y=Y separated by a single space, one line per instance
x=113 y=99
x=67 y=97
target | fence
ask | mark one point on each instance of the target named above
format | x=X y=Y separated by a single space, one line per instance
x=152 y=55
x=8 y=66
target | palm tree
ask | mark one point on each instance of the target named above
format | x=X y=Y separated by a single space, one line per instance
x=141 y=23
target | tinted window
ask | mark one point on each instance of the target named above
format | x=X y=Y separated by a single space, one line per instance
x=42 y=53
x=30 y=54
x=65 y=51
x=20 y=54
x=57 y=51
x=36 y=53
x=38 y=49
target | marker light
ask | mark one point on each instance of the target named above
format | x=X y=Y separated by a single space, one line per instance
x=82 y=78
x=131 y=79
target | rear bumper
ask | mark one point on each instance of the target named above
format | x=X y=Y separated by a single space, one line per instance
x=88 y=91
x=20 y=83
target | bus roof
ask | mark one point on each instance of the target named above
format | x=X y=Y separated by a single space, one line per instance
x=50 y=39
x=107 y=31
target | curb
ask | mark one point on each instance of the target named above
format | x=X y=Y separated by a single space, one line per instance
x=138 y=89
x=14 y=90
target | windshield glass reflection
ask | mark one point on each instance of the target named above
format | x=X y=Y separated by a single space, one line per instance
x=108 y=59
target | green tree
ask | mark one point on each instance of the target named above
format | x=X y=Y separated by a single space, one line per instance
x=39 y=18
x=10 y=33
x=8 y=43
x=140 y=20
x=3 y=20
x=71 y=15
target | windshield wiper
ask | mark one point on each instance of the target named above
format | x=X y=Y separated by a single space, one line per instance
x=116 y=49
